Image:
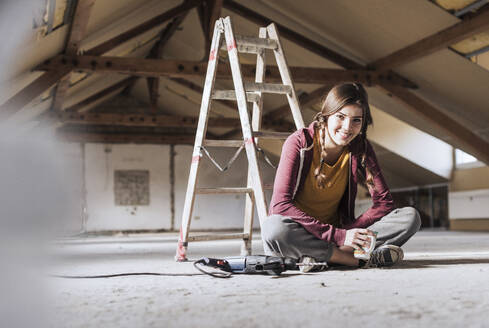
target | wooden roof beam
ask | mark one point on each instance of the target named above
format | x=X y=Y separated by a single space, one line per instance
x=305 y=100
x=136 y=138
x=471 y=142
x=147 y=120
x=141 y=28
x=465 y=136
x=102 y=93
x=77 y=32
x=31 y=91
x=181 y=68
x=156 y=52
x=209 y=11
x=475 y=24
x=41 y=84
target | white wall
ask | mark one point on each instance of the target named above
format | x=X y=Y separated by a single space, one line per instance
x=472 y=204
x=72 y=176
x=210 y=211
x=101 y=161
x=216 y=211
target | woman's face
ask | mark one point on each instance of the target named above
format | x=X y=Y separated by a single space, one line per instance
x=345 y=125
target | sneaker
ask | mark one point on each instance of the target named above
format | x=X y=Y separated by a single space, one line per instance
x=386 y=255
x=311 y=267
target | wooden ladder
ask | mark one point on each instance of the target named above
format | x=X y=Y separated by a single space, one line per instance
x=243 y=93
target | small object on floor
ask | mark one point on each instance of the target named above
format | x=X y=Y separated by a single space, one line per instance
x=252 y=264
x=309 y=264
x=385 y=256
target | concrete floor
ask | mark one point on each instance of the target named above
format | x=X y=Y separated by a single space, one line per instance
x=443 y=282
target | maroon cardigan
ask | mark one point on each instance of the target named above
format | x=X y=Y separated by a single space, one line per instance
x=293 y=168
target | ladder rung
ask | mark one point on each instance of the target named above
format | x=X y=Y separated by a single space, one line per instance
x=267 y=87
x=246 y=49
x=252 y=45
x=271 y=135
x=238 y=190
x=219 y=237
x=231 y=95
x=223 y=143
x=252 y=41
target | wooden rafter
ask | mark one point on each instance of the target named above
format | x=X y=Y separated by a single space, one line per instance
x=293 y=36
x=156 y=52
x=464 y=136
x=33 y=90
x=279 y=114
x=182 y=68
x=77 y=32
x=48 y=79
x=209 y=11
x=472 y=143
x=141 y=28
x=306 y=100
x=138 y=138
x=197 y=88
x=440 y=40
x=100 y=94
x=139 y=120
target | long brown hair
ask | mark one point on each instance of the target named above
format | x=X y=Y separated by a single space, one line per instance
x=338 y=97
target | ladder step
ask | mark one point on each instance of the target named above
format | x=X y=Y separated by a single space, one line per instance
x=238 y=190
x=271 y=135
x=223 y=143
x=250 y=42
x=219 y=237
x=231 y=95
x=267 y=87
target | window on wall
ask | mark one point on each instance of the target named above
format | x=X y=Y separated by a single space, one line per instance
x=464 y=160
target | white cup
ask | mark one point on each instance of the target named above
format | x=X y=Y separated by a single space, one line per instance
x=364 y=252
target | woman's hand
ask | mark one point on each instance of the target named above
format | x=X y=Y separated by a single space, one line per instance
x=358 y=238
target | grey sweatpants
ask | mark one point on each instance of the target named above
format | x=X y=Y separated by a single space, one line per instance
x=282 y=236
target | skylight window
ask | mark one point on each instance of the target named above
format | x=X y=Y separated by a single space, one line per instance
x=464 y=160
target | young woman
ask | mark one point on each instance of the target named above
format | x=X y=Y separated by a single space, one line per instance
x=312 y=208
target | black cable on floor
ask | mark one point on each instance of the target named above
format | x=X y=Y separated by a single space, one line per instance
x=128 y=274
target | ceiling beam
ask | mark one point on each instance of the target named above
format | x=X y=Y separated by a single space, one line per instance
x=305 y=100
x=440 y=40
x=471 y=142
x=181 y=68
x=147 y=120
x=77 y=32
x=48 y=79
x=279 y=114
x=293 y=36
x=31 y=91
x=209 y=11
x=100 y=94
x=156 y=52
x=137 y=138
x=465 y=136
x=141 y=28
x=299 y=39
x=114 y=119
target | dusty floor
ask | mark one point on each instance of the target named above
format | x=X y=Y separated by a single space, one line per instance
x=443 y=282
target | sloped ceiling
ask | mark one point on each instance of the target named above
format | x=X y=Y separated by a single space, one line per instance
x=362 y=31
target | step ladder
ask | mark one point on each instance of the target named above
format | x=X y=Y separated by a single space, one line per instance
x=243 y=93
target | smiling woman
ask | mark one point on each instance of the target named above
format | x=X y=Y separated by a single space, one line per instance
x=312 y=209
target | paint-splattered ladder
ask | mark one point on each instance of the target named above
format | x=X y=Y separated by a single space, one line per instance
x=243 y=92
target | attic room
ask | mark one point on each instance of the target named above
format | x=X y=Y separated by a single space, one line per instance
x=101 y=103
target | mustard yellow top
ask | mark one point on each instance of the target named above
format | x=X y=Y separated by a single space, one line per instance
x=323 y=203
